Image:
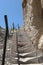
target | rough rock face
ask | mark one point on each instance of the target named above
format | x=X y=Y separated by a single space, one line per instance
x=40 y=45
x=33 y=19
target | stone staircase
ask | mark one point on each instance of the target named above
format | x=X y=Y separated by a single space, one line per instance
x=27 y=53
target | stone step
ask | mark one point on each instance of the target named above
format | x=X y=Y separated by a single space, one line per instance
x=29 y=60
x=23 y=64
x=30 y=54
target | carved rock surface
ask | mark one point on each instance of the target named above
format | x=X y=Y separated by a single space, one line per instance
x=33 y=20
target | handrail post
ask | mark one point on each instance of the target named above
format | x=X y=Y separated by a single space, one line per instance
x=17 y=45
x=5 y=42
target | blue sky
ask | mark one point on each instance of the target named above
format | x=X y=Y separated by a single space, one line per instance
x=13 y=9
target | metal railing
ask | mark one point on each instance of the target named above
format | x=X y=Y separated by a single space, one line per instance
x=17 y=45
x=5 y=42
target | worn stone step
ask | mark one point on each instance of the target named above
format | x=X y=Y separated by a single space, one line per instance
x=30 y=54
x=29 y=60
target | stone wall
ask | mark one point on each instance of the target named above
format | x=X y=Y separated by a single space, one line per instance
x=33 y=19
